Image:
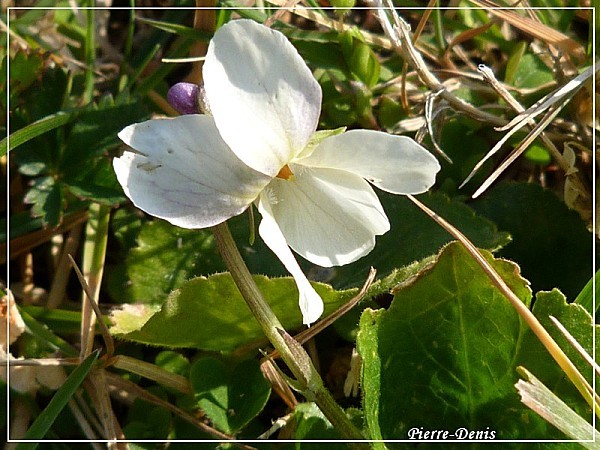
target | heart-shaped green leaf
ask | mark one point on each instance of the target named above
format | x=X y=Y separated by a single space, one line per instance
x=444 y=355
x=210 y=314
x=230 y=397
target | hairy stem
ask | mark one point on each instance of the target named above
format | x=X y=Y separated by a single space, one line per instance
x=290 y=350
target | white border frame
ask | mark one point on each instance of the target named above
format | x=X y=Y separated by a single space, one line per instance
x=592 y=9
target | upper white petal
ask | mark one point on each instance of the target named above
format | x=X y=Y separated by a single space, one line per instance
x=328 y=216
x=311 y=304
x=396 y=164
x=184 y=173
x=263 y=97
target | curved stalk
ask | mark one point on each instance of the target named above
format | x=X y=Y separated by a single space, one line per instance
x=292 y=353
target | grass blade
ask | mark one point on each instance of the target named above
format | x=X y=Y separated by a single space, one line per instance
x=545 y=403
x=44 y=421
x=36 y=129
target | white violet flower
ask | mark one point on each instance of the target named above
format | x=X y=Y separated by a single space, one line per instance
x=196 y=171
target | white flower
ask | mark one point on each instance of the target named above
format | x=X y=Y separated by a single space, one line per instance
x=197 y=171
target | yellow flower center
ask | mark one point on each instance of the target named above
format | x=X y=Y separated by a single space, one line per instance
x=285 y=173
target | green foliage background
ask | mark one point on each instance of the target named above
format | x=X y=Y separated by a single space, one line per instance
x=440 y=346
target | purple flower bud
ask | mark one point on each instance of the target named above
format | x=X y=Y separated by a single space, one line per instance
x=184 y=98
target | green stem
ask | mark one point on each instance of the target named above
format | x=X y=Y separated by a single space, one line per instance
x=94 y=251
x=439 y=28
x=128 y=46
x=291 y=352
x=152 y=372
x=90 y=56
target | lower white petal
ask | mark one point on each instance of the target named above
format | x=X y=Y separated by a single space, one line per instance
x=311 y=304
x=184 y=173
x=395 y=164
x=330 y=217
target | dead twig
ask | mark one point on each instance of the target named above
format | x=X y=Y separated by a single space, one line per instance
x=399 y=35
x=108 y=340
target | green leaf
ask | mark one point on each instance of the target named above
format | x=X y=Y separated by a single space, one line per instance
x=129 y=318
x=97 y=181
x=341 y=6
x=298 y=35
x=534 y=356
x=173 y=362
x=32 y=168
x=70 y=25
x=155 y=425
x=254 y=14
x=36 y=129
x=45 y=334
x=20 y=223
x=318 y=136
x=33 y=15
x=148 y=421
x=512 y=64
x=210 y=314
x=531 y=72
x=537 y=154
x=339 y=109
x=157 y=39
x=96 y=130
x=389 y=112
x=44 y=421
x=126 y=226
x=72 y=162
x=554 y=14
x=361 y=60
x=165 y=257
x=180 y=30
x=59 y=320
x=323 y=55
x=587 y=295
x=371 y=376
x=230 y=396
x=46 y=96
x=309 y=422
x=550 y=242
x=464 y=142
x=443 y=355
x=46 y=196
x=24 y=69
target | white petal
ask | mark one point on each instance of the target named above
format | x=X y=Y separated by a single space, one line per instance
x=184 y=173
x=328 y=216
x=395 y=164
x=263 y=97
x=311 y=304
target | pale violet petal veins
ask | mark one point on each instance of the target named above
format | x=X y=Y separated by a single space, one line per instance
x=183 y=172
x=328 y=216
x=311 y=304
x=395 y=164
x=264 y=99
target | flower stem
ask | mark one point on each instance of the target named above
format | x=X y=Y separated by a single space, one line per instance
x=291 y=351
